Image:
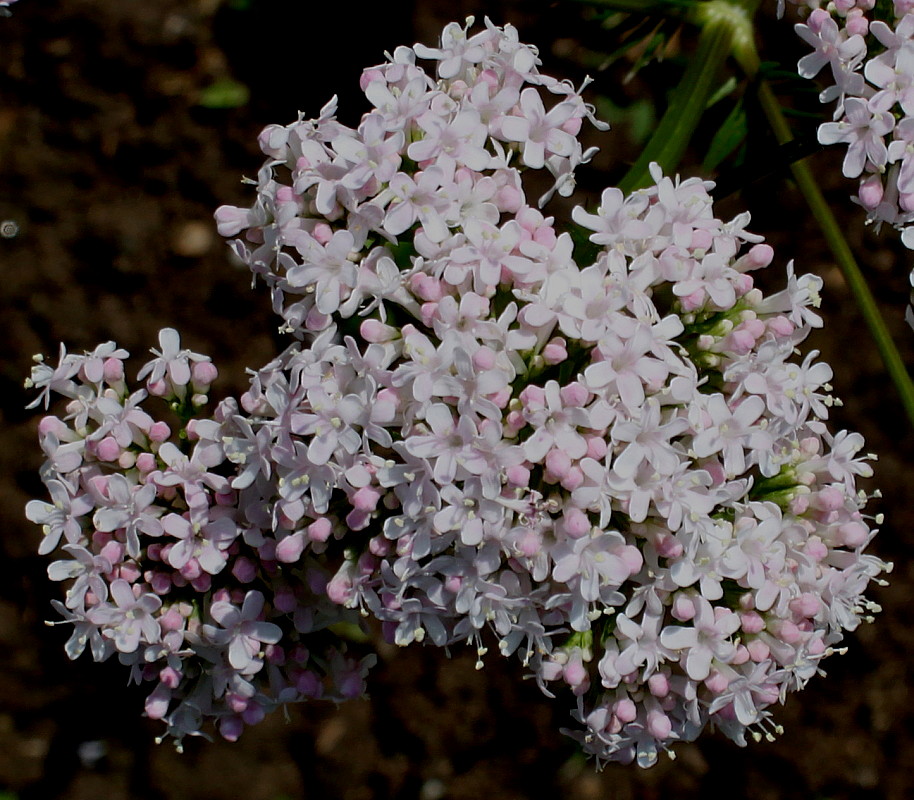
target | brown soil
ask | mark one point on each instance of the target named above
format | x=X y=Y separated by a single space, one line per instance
x=112 y=169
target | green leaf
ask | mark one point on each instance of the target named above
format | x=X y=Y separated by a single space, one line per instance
x=731 y=134
x=224 y=93
x=727 y=88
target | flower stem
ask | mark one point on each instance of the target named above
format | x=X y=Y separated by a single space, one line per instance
x=834 y=237
x=723 y=28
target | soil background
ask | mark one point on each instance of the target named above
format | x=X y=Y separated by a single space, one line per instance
x=112 y=160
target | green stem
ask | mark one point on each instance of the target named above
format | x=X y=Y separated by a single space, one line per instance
x=834 y=237
x=723 y=26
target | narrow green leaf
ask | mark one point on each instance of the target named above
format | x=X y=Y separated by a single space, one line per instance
x=731 y=134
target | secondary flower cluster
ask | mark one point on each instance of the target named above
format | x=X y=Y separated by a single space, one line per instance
x=871 y=61
x=615 y=470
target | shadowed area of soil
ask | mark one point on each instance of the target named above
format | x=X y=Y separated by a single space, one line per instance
x=111 y=168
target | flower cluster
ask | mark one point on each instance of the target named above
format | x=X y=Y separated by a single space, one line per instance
x=871 y=64
x=612 y=468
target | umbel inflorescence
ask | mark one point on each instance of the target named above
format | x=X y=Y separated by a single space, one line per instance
x=614 y=469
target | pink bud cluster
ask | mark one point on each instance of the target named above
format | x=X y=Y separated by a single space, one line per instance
x=867 y=48
x=614 y=469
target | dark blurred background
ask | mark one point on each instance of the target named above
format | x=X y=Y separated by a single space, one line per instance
x=123 y=125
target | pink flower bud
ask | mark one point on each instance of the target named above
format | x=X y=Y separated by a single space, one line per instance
x=788 y=632
x=339 y=590
x=113 y=370
x=426 y=287
x=625 y=710
x=743 y=285
x=683 y=608
x=518 y=475
x=113 y=552
x=857 y=24
x=658 y=724
x=575 y=522
x=379 y=546
x=760 y=255
x=230 y=220
x=159 y=432
x=171 y=620
x=871 y=192
x=160 y=583
x=799 y=504
x=816 y=646
x=428 y=312
x=191 y=569
x=284 y=600
x=575 y=674
x=817 y=19
x=244 y=569
x=322 y=232
x=667 y=546
x=145 y=462
x=203 y=373
x=108 y=449
x=752 y=622
x=816 y=549
x=694 y=300
x=319 y=530
x=780 y=326
x=373 y=330
x=157 y=388
x=740 y=341
x=806 y=605
x=853 y=534
x=555 y=351
x=829 y=499
x=658 y=684
x=366 y=499
x=509 y=199
x=289 y=550
x=573 y=478
x=231 y=728
x=51 y=425
x=484 y=358
x=157 y=703
x=170 y=677
x=596 y=447
x=758 y=650
x=514 y=422
x=501 y=398
x=717 y=682
x=532 y=397
x=558 y=463
x=309 y=684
